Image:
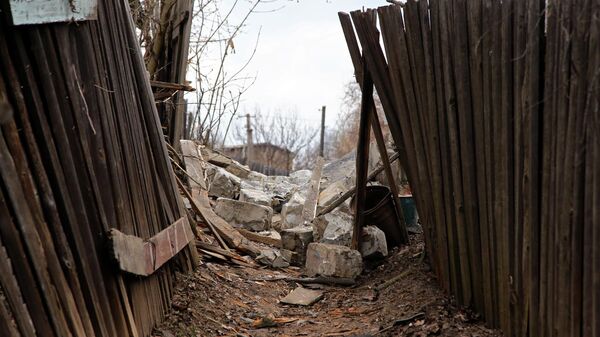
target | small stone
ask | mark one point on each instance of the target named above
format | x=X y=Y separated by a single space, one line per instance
x=255 y=197
x=273 y=258
x=242 y=214
x=297 y=240
x=333 y=261
x=338 y=228
x=372 y=243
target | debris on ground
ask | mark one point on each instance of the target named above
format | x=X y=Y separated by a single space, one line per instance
x=225 y=300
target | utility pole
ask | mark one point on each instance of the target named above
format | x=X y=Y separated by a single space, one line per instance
x=249 y=142
x=322 y=149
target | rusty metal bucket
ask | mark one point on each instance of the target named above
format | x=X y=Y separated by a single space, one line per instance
x=380 y=211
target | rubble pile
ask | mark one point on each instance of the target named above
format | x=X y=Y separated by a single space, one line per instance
x=273 y=212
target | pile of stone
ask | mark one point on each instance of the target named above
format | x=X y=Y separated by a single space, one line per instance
x=261 y=206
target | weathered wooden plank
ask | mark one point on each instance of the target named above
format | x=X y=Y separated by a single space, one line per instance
x=143 y=257
x=193 y=165
x=362 y=156
x=448 y=229
x=260 y=238
x=233 y=238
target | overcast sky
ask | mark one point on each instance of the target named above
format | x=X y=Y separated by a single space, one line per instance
x=302 y=61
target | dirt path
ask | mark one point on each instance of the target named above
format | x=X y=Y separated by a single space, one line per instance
x=223 y=300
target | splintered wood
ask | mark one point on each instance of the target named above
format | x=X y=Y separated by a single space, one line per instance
x=494 y=107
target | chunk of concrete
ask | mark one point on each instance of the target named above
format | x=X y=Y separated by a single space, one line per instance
x=255 y=197
x=334 y=191
x=245 y=215
x=332 y=261
x=302 y=296
x=230 y=165
x=372 y=243
x=338 y=228
x=291 y=212
x=222 y=183
x=297 y=240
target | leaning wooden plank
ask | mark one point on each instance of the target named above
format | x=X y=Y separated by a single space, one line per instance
x=193 y=165
x=144 y=257
x=210 y=225
x=260 y=238
x=310 y=206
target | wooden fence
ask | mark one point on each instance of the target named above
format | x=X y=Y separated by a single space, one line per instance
x=81 y=152
x=494 y=106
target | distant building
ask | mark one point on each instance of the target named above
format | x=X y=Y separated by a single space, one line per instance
x=268 y=159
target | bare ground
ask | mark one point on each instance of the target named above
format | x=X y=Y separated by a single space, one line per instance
x=225 y=300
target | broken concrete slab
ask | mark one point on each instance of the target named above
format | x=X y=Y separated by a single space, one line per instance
x=255 y=196
x=334 y=191
x=222 y=183
x=372 y=243
x=297 y=240
x=278 y=188
x=332 y=260
x=338 y=228
x=302 y=296
x=291 y=212
x=245 y=215
x=345 y=167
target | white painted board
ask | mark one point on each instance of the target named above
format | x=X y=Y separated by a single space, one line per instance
x=26 y=12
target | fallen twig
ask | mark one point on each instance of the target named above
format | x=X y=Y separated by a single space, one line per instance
x=402 y=321
x=392 y=280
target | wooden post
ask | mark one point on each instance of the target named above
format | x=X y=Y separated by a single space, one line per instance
x=322 y=148
x=362 y=156
x=249 y=142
